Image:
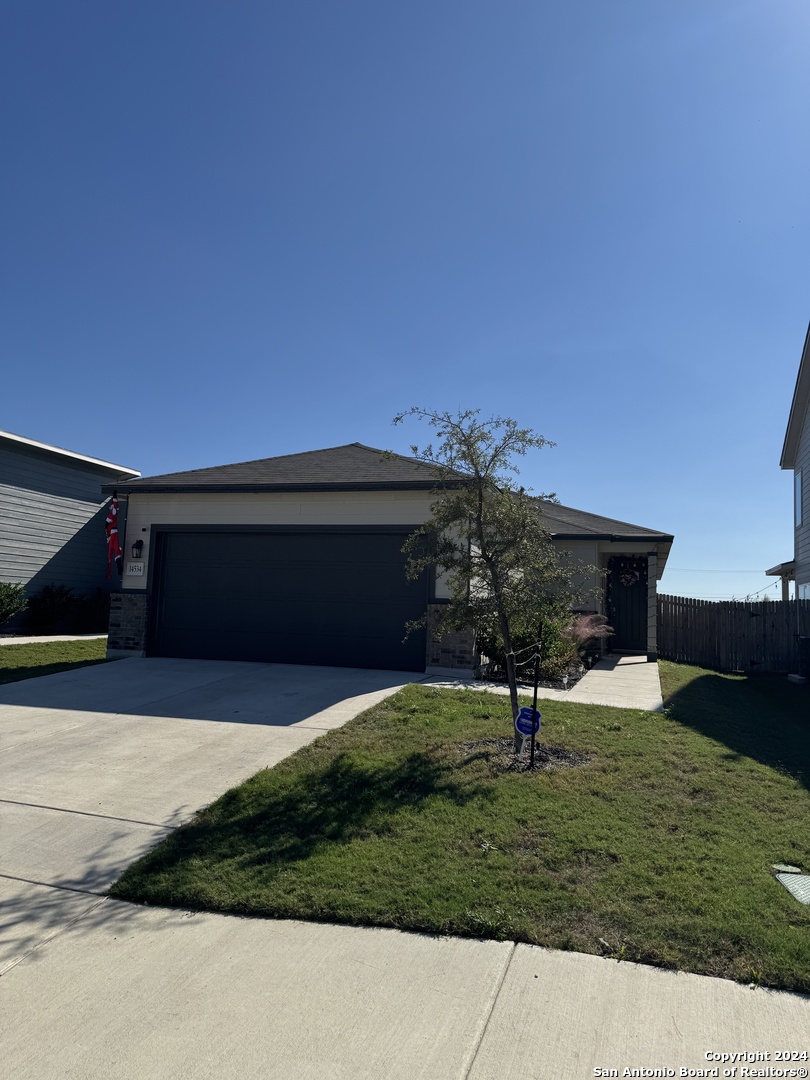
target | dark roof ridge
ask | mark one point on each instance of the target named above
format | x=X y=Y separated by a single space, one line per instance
x=256 y=461
x=391 y=453
x=335 y=468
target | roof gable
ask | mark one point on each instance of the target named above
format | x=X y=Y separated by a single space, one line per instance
x=799 y=409
x=350 y=467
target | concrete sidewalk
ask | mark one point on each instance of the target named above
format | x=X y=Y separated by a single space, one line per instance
x=8 y=639
x=152 y=994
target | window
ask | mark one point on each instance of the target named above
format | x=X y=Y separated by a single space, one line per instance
x=798 y=498
x=803 y=591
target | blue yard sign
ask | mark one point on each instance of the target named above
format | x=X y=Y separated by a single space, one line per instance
x=528 y=721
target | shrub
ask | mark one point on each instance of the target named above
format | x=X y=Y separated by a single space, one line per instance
x=52 y=610
x=56 y=609
x=92 y=614
x=563 y=640
x=586 y=631
x=557 y=651
x=12 y=601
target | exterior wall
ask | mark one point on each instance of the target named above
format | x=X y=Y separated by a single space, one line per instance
x=272 y=508
x=52 y=521
x=802 y=532
x=128 y=618
x=585 y=553
x=455 y=652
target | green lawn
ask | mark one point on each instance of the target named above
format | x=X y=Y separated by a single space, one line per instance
x=657 y=849
x=47 y=657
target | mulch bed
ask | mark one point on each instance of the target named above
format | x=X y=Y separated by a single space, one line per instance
x=500 y=754
x=565 y=681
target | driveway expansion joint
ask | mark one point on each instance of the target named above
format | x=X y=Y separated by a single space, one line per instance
x=58 y=932
x=58 y=888
x=484 y=1027
x=87 y=813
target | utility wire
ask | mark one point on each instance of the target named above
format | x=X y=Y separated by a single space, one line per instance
x=700 y=570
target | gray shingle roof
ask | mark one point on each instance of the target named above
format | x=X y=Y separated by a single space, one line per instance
x=356 y=467
x=350 y=467
x=565 y=522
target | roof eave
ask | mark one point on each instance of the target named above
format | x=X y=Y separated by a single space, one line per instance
x=615 y=538
x=783 y=569
x=70 y=455
x=798 y=409
x=253 y=489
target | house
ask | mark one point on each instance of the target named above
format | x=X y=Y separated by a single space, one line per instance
x=796 y=456
x=52 y=515
x=298 y=559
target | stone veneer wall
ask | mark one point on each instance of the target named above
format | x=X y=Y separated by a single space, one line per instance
x=128 y=612
x=455 y=650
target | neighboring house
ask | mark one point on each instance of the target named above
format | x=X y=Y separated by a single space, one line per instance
x=297 y=559
x=52 y=515
x=796 y=456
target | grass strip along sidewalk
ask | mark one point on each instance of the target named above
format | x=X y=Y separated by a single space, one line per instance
x=48 y=657
x=650 y=839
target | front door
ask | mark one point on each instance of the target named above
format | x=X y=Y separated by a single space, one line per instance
x=627 y=602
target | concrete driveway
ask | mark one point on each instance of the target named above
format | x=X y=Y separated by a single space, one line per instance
x=96 y=765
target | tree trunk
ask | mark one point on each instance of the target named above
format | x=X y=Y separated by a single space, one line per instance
x=511 y=674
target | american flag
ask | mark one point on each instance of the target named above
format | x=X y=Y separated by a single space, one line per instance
x=113 y=547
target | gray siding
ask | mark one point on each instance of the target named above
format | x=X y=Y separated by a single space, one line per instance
x=802 y=539
x=52 y=521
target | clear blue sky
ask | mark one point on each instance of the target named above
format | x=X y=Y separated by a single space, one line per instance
x=235 y=230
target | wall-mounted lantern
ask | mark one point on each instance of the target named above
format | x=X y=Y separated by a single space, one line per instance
x=137 y=549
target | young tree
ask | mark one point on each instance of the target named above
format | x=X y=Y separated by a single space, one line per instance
x=486 y=534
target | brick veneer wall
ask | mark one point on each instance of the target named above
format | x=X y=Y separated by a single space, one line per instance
x=454 y=650
x=128 y=612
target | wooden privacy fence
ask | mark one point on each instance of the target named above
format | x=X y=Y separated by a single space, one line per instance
x=735 y=636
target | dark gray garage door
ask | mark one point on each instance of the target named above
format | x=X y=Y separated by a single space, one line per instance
x=308 y=597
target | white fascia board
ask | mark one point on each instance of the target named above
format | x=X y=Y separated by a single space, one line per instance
x=799 y=409
x=60 y=452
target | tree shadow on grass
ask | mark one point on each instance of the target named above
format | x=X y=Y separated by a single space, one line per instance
x=763 y=717
x=277 y=820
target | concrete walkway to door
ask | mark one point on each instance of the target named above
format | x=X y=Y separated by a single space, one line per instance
x=624 y=682
x=627 y=682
